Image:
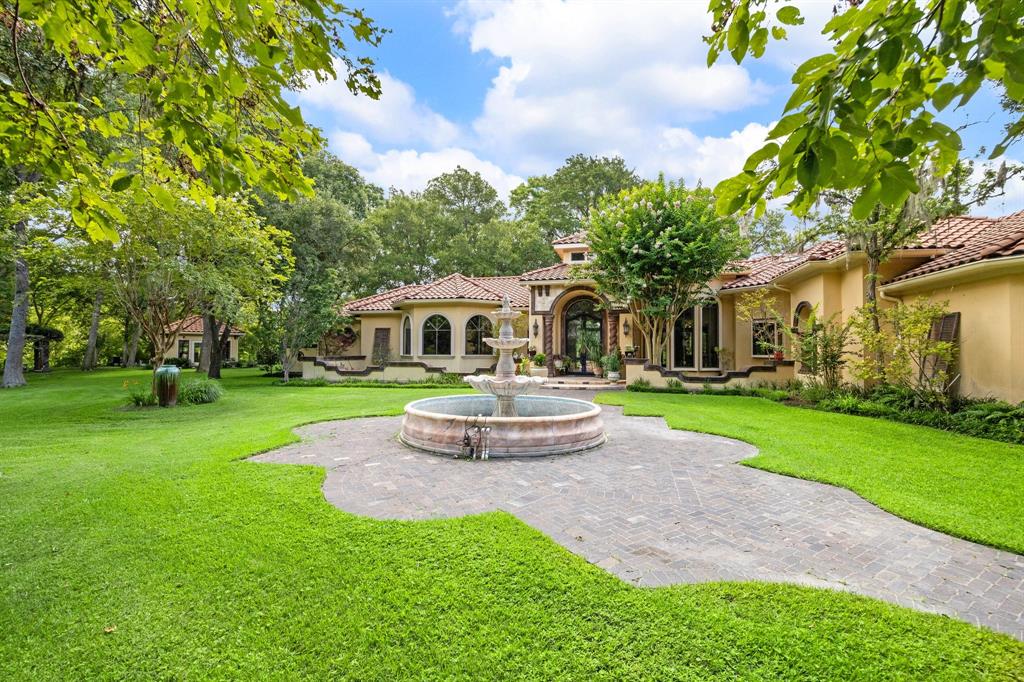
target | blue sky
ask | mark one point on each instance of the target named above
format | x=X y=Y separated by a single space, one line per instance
x=510 y=89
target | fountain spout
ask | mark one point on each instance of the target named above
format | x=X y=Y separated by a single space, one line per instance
x=505 y=385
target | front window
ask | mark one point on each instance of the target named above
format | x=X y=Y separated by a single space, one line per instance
x=197 y=352
x=478 y=328
x=406 y=336
x=437 y=336
x=695 y=336
x=684 y=345
x=183 y=350
x=709 y=336
x=764 y=337
x=577 y=256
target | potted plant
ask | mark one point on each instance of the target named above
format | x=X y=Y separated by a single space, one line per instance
x=559 y=363
x=588 y=346
x=778 y=356
x=539 y=368
x=612 y=365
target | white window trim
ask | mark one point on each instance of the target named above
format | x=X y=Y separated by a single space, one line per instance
x=402 y=350
x=452 y=341
x=753 y=338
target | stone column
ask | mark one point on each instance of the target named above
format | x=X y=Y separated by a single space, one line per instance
x=549 y=342
x=613 y=331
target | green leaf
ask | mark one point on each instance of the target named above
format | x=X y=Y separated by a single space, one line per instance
x=122 y=182
x=809 y=168
x=889 y=54
x=789 y=15
x=778 y=33
x=738 y=38
x=866 y=201
x=787 y=125
x=769 y=151
x=943 y=95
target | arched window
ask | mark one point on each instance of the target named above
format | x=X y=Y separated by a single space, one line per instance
x=406 y=336
x=478 y=327
x=437 y=336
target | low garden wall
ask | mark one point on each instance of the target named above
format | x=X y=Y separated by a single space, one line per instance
x=639 y=368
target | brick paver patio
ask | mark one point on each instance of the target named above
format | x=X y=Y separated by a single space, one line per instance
x=656 y=506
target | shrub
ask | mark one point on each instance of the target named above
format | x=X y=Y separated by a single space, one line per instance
x=140 y=395
x=199 y=391
x=611 y=362
x=447 y=379
x=540 y=359
x=639 y=384
x=673 y=384
x=177 y=362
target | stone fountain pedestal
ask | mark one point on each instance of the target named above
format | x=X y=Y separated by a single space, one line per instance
x=505 y=385
x=480 y=426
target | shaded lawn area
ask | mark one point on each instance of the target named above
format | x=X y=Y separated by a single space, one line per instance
x=968 y=487
x=147 y=522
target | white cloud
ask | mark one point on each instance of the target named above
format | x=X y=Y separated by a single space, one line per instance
x=396 y=118
x=598 y=78
x=411 y=170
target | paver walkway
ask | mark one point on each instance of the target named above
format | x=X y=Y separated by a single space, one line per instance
x=656 y=506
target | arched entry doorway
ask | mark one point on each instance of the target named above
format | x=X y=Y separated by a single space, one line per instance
x=584 y=332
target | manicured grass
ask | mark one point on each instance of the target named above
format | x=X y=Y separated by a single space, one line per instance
x=968 y=487
x=211 y=567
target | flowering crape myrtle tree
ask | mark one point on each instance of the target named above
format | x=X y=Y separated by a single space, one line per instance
x=655 y=248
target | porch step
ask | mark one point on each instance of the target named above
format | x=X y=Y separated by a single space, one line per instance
x=581 y=384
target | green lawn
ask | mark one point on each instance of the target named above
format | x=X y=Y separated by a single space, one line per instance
x=968 y=487
x=147 y=522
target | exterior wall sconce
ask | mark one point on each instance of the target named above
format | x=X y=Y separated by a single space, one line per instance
x=536 y=328
x=625 y=327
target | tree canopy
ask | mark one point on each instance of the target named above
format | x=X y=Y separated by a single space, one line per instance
x=866 y=116
x=655 y=247
x=96 y=94
x=559 y=204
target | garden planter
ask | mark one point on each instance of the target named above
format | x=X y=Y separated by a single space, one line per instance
x=613 y=376
x=165 y=384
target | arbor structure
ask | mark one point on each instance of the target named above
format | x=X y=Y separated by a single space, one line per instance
x=868 y=115
x=655 y=247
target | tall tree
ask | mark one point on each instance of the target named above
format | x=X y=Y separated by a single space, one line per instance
x=334 y=249
x=559 y=204
x=168 y=265
x=655 y=248
x=200 y=91
x=866 y=115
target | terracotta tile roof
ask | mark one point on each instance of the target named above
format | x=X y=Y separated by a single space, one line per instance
x=990 y=239
x=453 y=287
x=193 y=324
x=765 y=269
x=952 y=233
x=559 y=271
x=574 y=238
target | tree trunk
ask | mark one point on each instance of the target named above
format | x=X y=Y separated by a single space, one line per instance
x=204 y=352
x=14 y=374
x=871 y=295
x=91 y=352
x=41 y=355
x=284 y=361
x=131 y=349
x=220 y=346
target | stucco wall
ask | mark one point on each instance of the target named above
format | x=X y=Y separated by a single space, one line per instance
x=991 y=358
x=194 y=339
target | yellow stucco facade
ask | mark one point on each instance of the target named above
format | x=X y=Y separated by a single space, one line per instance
x=712 y=346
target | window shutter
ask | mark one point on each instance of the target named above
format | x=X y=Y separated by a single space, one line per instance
x=945 y=328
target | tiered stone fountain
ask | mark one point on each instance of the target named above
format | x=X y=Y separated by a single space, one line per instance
x=505 y=385
x=505 y=422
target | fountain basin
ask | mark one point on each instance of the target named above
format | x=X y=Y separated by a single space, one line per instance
x=545 y=425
